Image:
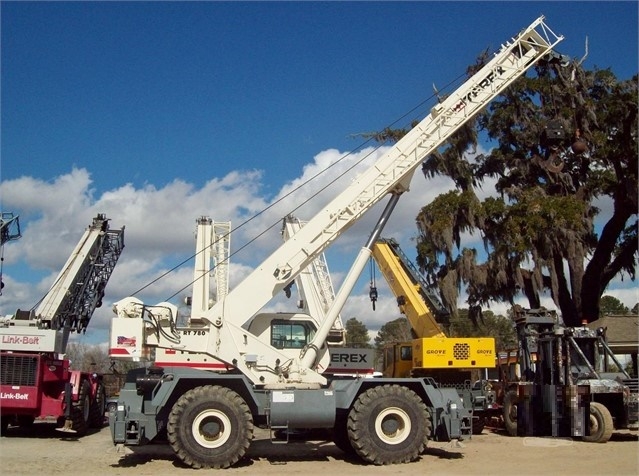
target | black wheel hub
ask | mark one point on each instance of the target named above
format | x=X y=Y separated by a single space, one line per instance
x=390 y=426
x=210 y=428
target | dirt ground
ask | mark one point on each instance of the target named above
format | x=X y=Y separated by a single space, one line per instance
x=44 y=451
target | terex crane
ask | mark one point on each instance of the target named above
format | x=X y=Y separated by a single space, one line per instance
x=36 y=380
x=209 y=417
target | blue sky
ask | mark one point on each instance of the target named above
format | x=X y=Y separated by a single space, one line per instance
x=157 y=113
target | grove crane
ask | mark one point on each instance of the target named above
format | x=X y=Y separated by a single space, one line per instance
x=432 y=352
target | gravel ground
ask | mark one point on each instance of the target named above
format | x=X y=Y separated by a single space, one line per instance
x=42 y=450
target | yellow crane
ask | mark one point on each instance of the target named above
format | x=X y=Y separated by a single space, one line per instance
x=431 y=349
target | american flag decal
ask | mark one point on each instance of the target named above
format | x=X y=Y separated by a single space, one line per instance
x=126 y=341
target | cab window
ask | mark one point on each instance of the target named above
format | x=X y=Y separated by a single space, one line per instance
x=290 y=335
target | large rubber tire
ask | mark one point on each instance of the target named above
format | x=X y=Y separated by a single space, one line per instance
x=478 y=425
x=112 y=407
x=25 y=421
x=389 y=424
x=340 y=436
x=98 y=407
x=510 y=412
x=210 y=427
x=81 y=410
x=601 y=424
x=4 y=424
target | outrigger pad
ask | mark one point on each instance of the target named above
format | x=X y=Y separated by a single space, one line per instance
x=68 y=427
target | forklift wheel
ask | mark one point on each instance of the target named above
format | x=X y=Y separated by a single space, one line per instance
x=601 y=424
x=510 y=412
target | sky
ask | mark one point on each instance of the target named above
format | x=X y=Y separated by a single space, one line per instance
x=157 y=113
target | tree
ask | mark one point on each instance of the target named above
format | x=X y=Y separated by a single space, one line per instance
x=611 y=305
x=564 y=137
x=490 y=325
x=88 y=358
x=95 y=358
x=398 y=330
x=357 y=334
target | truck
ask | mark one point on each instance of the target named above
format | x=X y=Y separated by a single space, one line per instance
x=208 y=416
x=562 y=384
x=36 y=379
x=432 y=353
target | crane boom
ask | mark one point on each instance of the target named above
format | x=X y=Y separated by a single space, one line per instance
x=77 y=291
x=79 y=288
x=9 y=227
x=390 y=174
x=421 y=307
x=226 y=338
x=9 y=231
x=222 y=246
x=213 y=241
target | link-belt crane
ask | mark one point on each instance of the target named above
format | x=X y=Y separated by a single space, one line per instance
x=209 y=417
x=36 y=380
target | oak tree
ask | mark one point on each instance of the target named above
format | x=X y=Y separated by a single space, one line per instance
x=563 y=145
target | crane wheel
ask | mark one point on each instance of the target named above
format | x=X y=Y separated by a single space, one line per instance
x=510 y=412
x=4 y=424
x=340 y=435
x=389 y=424
x=98 y=407
x=601 y=424
x=478 y=425
x=81 y=411
x=210 y=427
x=25 y=421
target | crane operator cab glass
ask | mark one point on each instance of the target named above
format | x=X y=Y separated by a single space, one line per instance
x=287 y=334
